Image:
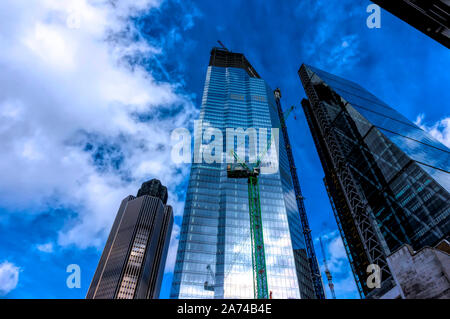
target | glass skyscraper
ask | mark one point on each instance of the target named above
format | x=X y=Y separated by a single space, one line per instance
x=214 y=258
x=388 y=180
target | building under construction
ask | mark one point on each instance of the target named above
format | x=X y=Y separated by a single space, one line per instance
x=219 y=235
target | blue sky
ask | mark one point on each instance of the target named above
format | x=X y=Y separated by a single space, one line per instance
x=90 y=93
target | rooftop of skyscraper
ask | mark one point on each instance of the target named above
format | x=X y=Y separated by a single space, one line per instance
x=224 y=58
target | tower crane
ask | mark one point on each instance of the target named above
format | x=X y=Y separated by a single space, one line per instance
x=251 y=173
x=327 y=271
x=222 y=45
x=210 y=285
x=313 y=264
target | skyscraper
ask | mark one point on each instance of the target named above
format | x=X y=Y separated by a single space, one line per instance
x=432 y=17
x=387 y=179
x=214 y=258
x=133 y=260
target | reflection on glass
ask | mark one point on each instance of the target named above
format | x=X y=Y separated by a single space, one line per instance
x=374 y=155
x=214 y=255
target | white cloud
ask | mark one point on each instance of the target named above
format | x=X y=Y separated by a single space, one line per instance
x=9 y=277
x=336 y=254
x=45 y=248
x=327 y=236
x=439 y=130
x=330 y=46
x=69 y=85
x=345 y=55
x=337 y=261
x=172 y=253
x=336 y=248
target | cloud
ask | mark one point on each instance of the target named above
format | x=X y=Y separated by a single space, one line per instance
x=45 y=248
x=332 y=44
x=345 y=54
x=336 y=254
x=345 y=288
x=173 y=246
x=9 y=277
x=336 y=248
x=327 y=236
x=337 y=261
x=439 y=130
x=82 y=121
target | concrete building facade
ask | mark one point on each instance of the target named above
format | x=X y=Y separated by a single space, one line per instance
x=423 y=274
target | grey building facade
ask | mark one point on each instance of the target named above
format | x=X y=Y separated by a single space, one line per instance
x=388 y=180
x=133 y=260
x=423 y=274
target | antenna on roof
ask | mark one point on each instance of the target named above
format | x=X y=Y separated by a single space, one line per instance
x=222 y=45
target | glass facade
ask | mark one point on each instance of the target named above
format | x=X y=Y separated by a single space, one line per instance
x=387 y=178
x=214 y=257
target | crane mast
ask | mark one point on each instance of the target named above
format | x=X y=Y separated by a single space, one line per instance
x=327 y=271
x=256 y=228
x=315 y=271
x=251 y=173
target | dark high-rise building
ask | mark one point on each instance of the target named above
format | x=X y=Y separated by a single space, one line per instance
x=432 y=17
x=133 y=260
x=214 y=258
x=388 y=180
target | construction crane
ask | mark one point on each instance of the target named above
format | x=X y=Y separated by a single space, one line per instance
x=327 y=271
x=313 y=264
x=222 y=45
x=251 y=173
x=210 y=286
